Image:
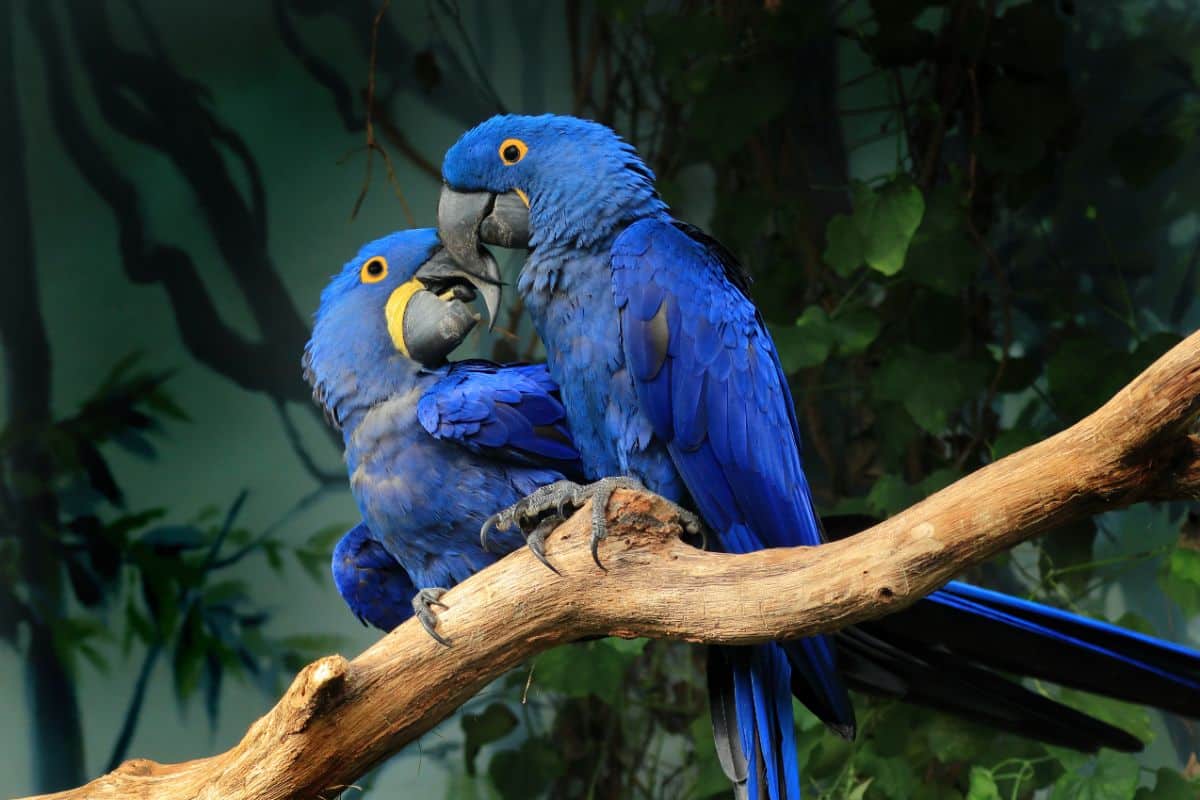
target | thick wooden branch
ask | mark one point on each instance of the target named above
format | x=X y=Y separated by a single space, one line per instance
x=341 y=717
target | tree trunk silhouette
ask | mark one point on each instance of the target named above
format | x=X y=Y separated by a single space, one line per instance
x=53 y=707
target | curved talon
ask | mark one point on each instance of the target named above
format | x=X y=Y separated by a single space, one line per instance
x=423 y=603
x=537 y=542
x=494 y=524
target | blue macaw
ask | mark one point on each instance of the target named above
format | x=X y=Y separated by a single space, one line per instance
x=669 y=377
x=431 y=446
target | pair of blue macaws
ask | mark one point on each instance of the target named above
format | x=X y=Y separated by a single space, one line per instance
x=659 y=369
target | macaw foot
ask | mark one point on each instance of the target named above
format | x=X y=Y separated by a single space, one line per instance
x=547 y=507
x=423 y=604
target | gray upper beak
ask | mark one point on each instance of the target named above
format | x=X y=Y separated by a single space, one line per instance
x=467 y=220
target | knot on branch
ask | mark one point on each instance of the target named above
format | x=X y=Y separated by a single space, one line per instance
x=138 y=767
x=316 y=687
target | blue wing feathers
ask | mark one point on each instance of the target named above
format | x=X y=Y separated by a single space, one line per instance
x=510 y=412
x=721 y=405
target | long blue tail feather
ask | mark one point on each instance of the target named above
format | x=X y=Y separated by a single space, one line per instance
x=763 y=701
x=1027 y=638
x=1166 y=655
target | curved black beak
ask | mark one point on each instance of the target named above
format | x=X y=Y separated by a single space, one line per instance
x=468 y=220
x=436 y=320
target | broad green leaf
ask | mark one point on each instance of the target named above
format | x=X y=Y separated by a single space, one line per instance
x=581 y=669
x=942 y=255
x=886 y=219
x=891 y=494
x=816 y=336
x=930 y=386
x=983 y=785
x=1169 y=785
x=843 y=245
x=1110 y=776
x=854 y=330
x=527 y=771
x=860 y=791
x=493 y=723
x=893 y=777
x=1132 y=718
x=805 y=344
x=1182 y=580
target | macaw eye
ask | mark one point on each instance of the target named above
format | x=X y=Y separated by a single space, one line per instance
x=375 y=270
x=512 y=151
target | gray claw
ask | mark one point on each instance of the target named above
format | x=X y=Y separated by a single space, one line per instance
x=423 y=604
x=537 y=541
x=496 y=522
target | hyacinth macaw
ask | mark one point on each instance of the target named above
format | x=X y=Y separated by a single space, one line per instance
x=431 y=446
x=669 y=377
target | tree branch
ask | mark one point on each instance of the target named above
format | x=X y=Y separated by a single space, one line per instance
x=339 y=718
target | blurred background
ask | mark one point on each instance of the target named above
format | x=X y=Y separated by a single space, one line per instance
x=969 y=221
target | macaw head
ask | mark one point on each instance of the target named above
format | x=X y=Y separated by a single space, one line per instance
x=400 y=305
x=518 y=181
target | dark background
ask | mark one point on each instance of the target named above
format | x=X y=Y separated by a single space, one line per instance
x=969 y=223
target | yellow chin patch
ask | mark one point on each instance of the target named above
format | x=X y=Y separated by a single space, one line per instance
x=524 y=197
x=394 y=312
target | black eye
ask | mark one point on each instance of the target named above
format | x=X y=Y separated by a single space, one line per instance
x=374 y=270
x=511 y=153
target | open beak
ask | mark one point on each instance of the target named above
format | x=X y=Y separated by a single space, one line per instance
x=468 y=220
x=430 y=315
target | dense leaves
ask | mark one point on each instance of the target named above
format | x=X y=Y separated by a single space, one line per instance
x=143 y=585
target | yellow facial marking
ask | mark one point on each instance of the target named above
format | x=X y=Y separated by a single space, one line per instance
x=374 y=270
x=394 y=312
x=524 y=197
x=512 y=150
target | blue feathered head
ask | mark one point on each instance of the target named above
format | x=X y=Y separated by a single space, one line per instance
x=400 y=305
x=578 y=179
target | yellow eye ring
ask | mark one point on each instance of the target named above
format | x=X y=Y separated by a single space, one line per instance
x=512 y=150
x=374 y=270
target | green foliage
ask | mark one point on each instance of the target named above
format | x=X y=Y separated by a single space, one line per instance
x=879 y=231
x=137 y=579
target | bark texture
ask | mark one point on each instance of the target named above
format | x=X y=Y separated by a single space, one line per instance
x=339 y=718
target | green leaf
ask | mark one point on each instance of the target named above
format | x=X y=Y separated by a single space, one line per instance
x=1110 y=776
x=1182 y=579
x=1068 y=550
x=854 y=330
x=493 y=723
x=891 y=494
x=627 y=647
x=930 y=386
x=860 y=791
x=942 y=255
x=894 y=777
x=886 y=220
x=527 y=771
x=1132 y=718
x=581 y=669
x=1169 y=785
x=843 y=245
x=805 y=344
x=983 y=785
